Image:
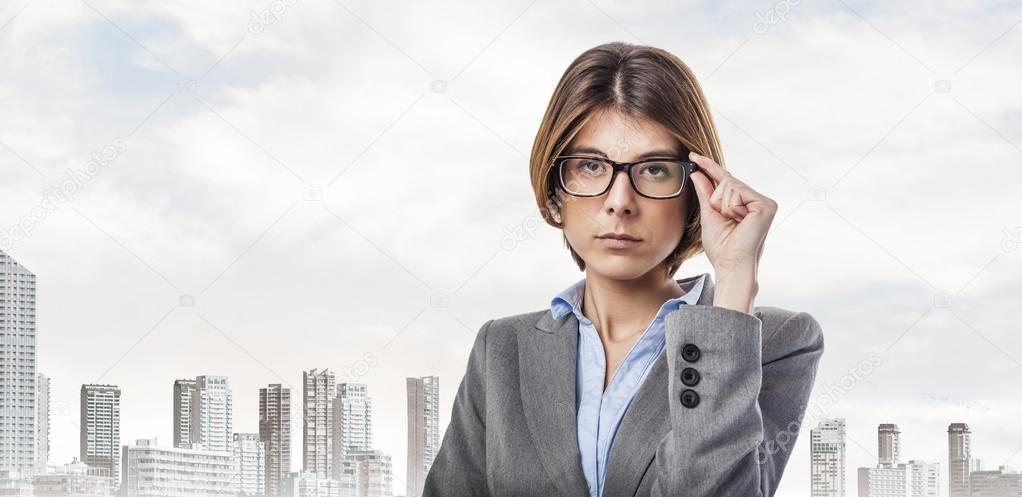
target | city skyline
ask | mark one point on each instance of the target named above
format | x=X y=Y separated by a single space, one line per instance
x=896 y=474
x=196 y=199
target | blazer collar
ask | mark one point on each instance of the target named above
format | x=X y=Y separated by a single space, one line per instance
x=549 y=324
x=547 y=371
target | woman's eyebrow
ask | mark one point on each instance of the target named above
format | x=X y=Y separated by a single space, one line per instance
x=596 y=151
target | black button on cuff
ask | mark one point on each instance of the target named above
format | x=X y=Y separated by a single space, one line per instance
x=690 y=377
x=689 y=398
x=690 y=352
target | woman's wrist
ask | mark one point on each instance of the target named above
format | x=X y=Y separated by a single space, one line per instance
x=736 y=290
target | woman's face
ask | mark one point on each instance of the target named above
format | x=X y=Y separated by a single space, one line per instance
x=657 y=224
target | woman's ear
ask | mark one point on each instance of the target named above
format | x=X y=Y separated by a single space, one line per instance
x=553 y=204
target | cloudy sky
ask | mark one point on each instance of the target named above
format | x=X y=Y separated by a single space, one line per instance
x=253 y=189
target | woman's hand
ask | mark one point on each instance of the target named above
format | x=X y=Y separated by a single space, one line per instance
x=735 y=220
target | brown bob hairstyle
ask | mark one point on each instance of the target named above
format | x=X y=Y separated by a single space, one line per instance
x=639 y=82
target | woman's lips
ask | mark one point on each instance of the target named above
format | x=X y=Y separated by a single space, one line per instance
x=617 y=243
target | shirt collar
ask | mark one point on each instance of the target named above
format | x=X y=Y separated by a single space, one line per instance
x=570 y=299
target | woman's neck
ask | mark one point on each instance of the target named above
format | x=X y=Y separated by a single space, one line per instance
x=622 y=309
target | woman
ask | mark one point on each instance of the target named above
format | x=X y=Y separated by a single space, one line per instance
x=633 y=383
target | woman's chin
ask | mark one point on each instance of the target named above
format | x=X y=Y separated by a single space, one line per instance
x=619 y=267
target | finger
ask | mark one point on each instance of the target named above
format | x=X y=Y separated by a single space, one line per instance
x=750 y=200
x=738 y=201
x=727 y=205
x=704 y=190
x=717 y=199
x=707 y=164
x=738 y=207
x=734 y=205
x=703 y=187
x=725 y=198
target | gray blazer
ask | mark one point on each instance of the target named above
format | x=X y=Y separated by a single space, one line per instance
x=513 y=425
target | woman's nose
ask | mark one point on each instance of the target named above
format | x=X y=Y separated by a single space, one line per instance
x=621 y=197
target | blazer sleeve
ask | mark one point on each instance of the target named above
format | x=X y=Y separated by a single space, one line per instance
x=459 y=468
x=736 y=440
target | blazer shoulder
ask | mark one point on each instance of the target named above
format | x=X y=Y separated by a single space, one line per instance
x=515 y=323
x=786 y=331
x=499 y=336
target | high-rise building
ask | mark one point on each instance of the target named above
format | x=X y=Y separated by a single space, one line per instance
x=183 y=390
x=100 y=428
x=958 y=459
x=275 y=433
x=893 y=479
x=827 y=458
x=923 y=478
x=317 y=422
x=423 y=430
x=250 y=454
x=211 y=414
x=154 y=471
x=888 y=444
x=353 y=424
x=18 y=376
x=1001 y=482
x=374 y=474
x=346 y=474
x=42 y=422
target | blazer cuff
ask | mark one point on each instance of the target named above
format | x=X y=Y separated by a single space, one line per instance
x=714 y=359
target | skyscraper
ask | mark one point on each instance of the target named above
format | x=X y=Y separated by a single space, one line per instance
x=275 y=433
x=183 y=413
x=42 y=422
x=250 y=455
x=891 y=478
x=18 y=376
x=353 y=425
x=888 y=444
x=211 y=413
x=317 y=422
x=958 y=459
x=101 y=428
x=423 y=430
x=827 y=458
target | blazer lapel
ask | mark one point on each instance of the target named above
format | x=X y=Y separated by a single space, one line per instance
x=547 y=359
x=646 y=422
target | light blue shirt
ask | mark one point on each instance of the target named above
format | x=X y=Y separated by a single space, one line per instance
x=599 y=412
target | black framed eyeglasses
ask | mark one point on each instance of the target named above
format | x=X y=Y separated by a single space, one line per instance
x=591 y=176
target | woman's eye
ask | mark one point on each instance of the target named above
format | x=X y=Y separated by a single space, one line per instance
x=657 y=171
x=591 y=167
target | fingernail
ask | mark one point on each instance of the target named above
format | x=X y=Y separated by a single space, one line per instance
x=692 y=155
